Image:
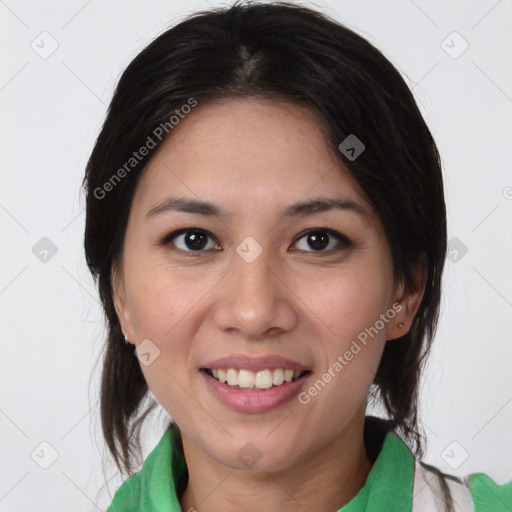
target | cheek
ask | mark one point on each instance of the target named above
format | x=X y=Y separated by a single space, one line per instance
x=161 y=305
x=161 y=297
x=347 y=302
x=347 y=307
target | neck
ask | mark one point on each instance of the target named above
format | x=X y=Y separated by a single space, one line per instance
x=324 y=481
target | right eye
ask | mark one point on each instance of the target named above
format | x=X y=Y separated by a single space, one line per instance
x=190 y=241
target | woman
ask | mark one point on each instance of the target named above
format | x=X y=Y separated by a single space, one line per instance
x=266 y=220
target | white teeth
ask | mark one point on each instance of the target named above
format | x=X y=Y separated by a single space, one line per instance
x=247 y=379
x=232 y=377
x=263 y=379
x=278 y=377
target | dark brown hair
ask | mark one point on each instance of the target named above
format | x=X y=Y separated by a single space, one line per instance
x=286 y=52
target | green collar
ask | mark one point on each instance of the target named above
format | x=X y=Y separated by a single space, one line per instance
x=388 y=486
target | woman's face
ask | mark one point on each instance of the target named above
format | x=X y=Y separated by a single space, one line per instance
x=254 y=287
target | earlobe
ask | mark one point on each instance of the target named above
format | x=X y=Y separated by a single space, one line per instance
x=119 y=300
x=409 y=297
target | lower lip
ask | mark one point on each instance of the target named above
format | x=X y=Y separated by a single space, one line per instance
x=255 y=401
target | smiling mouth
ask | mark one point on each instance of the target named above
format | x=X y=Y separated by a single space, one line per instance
x=248 y=380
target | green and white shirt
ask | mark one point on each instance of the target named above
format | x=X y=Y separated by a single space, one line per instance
x=397 y=481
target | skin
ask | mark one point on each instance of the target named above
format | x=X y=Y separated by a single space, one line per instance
x=254 y=158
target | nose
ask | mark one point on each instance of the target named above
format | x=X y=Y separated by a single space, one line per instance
x=254 y=302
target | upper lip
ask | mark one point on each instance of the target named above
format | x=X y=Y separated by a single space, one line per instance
x=244 y=362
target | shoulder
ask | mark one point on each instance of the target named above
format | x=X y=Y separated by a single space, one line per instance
x=126 y=496
x=474 y=493
x=427 y=488
x=489 y=495
x=129 y=496
x=151 y=482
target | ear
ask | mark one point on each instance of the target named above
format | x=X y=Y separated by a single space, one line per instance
x=409 y=298
x=120 y=303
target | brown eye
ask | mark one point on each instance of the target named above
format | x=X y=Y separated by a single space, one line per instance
x=190 y=240
x=317 y=240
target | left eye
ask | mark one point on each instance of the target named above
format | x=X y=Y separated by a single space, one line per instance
x=320 y=238
x=195 y=240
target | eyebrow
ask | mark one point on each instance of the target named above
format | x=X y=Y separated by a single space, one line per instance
x=311 y=206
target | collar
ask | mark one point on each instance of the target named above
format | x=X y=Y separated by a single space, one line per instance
x=388 y=486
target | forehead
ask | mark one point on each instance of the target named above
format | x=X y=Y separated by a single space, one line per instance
x=246 y=152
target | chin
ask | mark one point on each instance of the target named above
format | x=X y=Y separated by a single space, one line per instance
x=256 y=454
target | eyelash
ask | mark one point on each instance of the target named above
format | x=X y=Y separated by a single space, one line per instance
x=344 y=240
